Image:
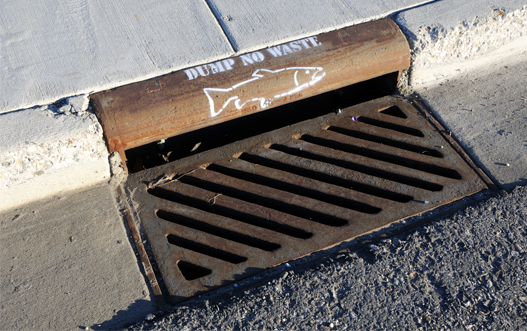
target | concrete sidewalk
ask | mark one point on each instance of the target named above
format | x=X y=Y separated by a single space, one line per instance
x=66 y=259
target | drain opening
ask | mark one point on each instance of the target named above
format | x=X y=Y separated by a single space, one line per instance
x=387 y=141
x=205 y=249
x=429 y=186
x=326 y=178
x=266 y=201
x=286 y=195
x=231 y=213
x=409 y=163
x=191 y=271
x=394 y=111
x=217 y=231
x=175 y=148
x=296 y=189
x=391 y=126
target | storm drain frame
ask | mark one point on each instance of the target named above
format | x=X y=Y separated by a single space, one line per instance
x=229 y=213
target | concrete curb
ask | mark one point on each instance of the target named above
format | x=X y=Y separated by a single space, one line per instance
x=449 y=38
x=59 y=147
x=49 y=149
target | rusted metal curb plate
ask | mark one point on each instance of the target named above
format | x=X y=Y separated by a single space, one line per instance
x=141 y=113
x=229 y=213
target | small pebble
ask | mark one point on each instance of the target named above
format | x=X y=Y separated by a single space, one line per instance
x=508 y=164
x=150 y=317
x=331 y=325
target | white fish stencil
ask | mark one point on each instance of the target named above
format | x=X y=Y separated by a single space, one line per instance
x=295 y=78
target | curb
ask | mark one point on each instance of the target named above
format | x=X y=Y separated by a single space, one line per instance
x=61 y=146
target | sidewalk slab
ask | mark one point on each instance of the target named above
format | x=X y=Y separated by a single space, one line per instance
x=57 y=49
x=486 y=111
x=252 y=25
x=66 y=264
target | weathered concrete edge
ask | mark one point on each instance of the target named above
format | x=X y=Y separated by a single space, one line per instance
x=49 y=149
x=448 y=40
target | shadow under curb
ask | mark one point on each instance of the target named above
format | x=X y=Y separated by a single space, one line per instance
x=135 y=312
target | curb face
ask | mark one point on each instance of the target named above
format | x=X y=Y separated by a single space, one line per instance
x=141 y=113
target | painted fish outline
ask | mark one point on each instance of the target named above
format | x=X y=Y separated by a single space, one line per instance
x=258 y=74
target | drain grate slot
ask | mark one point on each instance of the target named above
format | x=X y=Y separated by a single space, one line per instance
x=234 y=211
x=391 y=126
x=205 y=250
x=386 y=141
x=411 y=181
x=191 y=271
x=217 y=231
x=394 y=111
x=305 y=187
x=350 y=147
x=338 y=180
x=265 y=196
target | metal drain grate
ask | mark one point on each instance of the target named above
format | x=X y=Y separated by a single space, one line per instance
x=229 y=213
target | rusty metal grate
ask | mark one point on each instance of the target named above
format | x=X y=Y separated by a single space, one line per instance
x=231 y=212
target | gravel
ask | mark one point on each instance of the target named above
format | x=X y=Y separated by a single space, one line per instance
x=465 y=271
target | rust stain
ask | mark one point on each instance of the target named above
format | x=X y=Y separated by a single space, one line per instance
x=209 y=94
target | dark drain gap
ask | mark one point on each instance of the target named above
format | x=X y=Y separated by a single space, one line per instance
x=271 y=203
x=217 y=231
x=197 y=141
x=391 y=126
x=387 y=141
x=360 y=168
x=404 y=162
x=296 y=189
x=394 y=111
x=205 y=249
x=191 y=271
x=230 y=213
x=326 y=178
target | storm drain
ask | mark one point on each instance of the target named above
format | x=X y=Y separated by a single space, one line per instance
x=229 y=213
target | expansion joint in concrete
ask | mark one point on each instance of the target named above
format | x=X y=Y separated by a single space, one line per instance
x=215 y=12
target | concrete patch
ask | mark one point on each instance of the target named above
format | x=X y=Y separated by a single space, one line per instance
x=66 y=264
x=250 y=26
x=487 y=112
x=51 y=50
x=452 y=36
